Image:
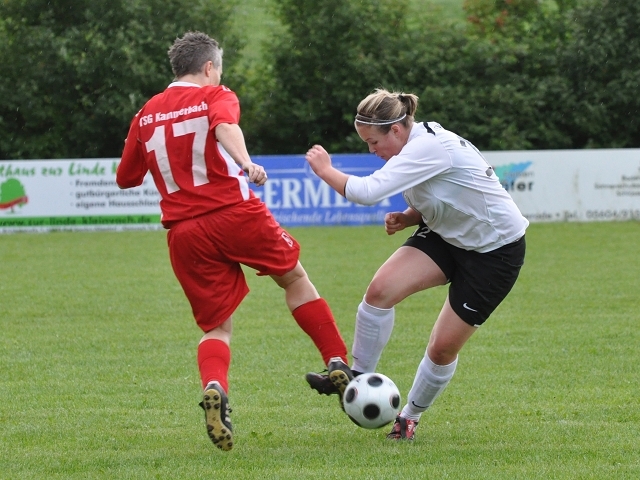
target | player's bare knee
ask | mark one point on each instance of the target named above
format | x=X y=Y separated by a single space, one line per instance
x=290 y=278
x=441 y=355
x=294 y=275
x=379 y=295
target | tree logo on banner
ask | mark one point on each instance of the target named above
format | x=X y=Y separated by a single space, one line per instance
x=12 y=193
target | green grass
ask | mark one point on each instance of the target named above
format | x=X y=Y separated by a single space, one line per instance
x=98 y=378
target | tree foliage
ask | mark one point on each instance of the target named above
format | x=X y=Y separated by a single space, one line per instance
x=498 y=82
x=80 y=69
x=602 y=65
x=331 y=52
x=517 y=74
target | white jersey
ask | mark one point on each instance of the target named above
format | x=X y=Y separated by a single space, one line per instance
x=447 y=180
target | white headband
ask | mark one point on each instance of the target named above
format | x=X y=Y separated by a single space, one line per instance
x=376 y=121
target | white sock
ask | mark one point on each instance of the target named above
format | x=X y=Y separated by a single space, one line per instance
x=430 y=381
x=373 y=330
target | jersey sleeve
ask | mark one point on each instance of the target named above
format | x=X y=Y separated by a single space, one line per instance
x=133 y=167
x=420 y=160
x=224 y=107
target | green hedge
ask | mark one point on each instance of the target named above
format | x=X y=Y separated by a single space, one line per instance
x=516 y=74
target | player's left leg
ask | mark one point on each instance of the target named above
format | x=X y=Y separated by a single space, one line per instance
x=214 y=355
x=214 y=358
x=198 y=266
x=435 y=371
x=438 y=365
x=422 y=262
x=480 y=283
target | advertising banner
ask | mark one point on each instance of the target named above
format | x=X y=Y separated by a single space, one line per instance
x=554 y=185
x=43 y=195
x=298 y=197
x=572 y=185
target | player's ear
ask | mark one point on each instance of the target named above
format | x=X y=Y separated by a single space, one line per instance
x=207 y=68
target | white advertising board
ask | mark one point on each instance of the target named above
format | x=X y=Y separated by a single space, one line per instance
x=572 y=185
x=548 y=186
x=42 y=195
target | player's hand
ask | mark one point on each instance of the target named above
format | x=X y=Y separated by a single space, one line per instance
x=395 y=221
x=318 y=159
x=256 y=173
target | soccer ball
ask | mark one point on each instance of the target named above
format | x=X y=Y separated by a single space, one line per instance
x=371 y=400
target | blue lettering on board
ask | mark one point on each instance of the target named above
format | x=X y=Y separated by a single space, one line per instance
x=298 y=197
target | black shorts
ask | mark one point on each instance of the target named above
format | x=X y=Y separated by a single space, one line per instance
x=478 y=281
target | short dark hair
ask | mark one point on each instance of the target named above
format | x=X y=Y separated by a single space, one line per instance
x=189 y=53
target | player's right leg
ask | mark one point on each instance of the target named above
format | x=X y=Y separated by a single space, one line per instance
x=448 y=336
x=407 y=271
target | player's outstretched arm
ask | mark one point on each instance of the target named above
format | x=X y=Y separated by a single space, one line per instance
x=320 y=163
x=232 y=139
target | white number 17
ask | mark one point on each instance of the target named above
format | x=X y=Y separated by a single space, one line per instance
x=199 y=126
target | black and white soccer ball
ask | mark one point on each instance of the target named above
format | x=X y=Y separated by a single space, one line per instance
x=371 y=400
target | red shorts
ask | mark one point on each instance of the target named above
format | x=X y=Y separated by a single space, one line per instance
x=206 y=253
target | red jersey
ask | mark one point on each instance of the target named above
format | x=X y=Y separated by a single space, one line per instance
x=173 y=137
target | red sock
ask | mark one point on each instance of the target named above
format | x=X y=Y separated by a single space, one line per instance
x=214 y=357
x=317 y=321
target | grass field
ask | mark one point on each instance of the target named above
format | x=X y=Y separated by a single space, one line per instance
x=98 y=378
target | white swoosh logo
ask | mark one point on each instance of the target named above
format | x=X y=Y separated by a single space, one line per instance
x=468 y=307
